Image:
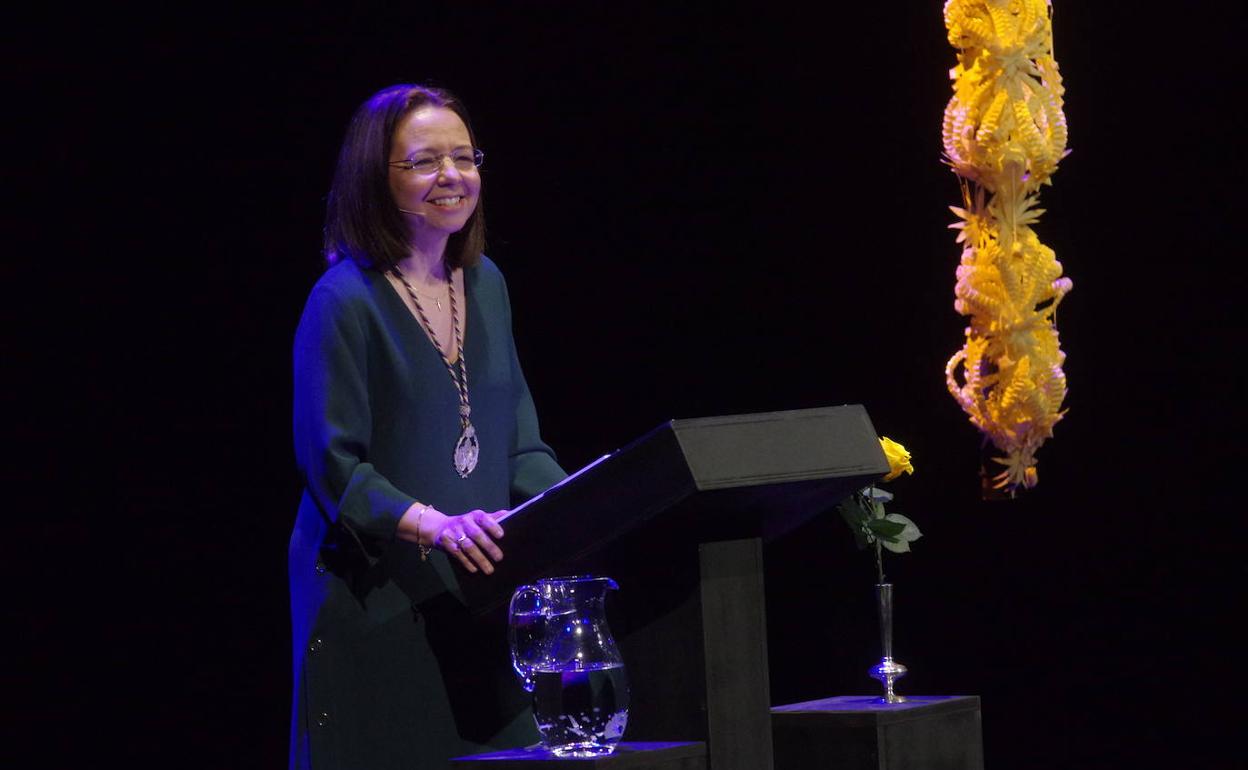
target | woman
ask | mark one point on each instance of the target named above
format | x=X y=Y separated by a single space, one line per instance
x=412 y=423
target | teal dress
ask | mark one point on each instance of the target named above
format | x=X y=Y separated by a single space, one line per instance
x=390 y=671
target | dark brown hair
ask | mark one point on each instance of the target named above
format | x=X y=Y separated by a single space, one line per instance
x=362 y=222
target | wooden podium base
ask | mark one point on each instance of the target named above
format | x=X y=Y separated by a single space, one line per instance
x=627 y=756
x=927 y=732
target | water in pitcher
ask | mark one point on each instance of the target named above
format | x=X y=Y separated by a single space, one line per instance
x=581 y=712
x=527 y=629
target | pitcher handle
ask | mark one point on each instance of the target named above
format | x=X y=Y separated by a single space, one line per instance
x=523 y=668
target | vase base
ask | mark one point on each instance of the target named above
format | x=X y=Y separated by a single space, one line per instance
x=888 y=671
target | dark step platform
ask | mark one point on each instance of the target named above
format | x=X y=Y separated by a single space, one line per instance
x=858 y=732
x=627 y=756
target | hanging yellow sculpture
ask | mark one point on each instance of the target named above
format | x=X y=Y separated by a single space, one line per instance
x=1004 y=133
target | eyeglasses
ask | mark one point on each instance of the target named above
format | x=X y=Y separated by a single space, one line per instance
x=428 y=165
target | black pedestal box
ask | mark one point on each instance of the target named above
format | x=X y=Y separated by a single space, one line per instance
x=860 y=733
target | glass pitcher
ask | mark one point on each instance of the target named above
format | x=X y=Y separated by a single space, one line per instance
x=563 y=651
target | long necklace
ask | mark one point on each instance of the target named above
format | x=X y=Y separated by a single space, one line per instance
x=436 y=300
x=467 y=450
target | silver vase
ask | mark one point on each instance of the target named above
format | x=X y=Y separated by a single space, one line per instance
x=887 y=671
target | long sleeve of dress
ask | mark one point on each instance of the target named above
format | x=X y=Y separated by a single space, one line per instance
x=333 y=422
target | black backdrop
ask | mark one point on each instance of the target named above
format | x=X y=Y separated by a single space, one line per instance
x=700 y=211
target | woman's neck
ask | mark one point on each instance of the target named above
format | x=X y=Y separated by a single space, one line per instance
x=425 y=262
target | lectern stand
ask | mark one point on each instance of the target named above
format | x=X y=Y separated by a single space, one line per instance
x=678 y=518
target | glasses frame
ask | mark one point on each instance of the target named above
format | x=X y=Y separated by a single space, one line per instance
x=409 y=164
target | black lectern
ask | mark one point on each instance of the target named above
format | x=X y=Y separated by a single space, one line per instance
x=678 y=518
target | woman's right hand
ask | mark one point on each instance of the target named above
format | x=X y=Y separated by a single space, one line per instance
x=468 y=537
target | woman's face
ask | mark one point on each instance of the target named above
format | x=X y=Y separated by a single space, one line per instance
x=437 y=203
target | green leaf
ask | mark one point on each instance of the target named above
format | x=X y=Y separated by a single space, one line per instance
x=908 y=534
x=900 y=546
x=853 y=514
x=855 y=517
x=885 y=529
x=911 y=531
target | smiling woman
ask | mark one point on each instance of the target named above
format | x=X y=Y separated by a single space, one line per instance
x=405 y=467
x=437 y=196
x=382 y=146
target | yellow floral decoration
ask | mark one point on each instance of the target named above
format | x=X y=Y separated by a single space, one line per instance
x=1004 y=134
x=898 y=458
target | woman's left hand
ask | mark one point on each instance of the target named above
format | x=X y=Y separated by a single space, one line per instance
x=468 y=537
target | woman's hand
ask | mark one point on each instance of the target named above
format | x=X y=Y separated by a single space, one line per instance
x=468 y=537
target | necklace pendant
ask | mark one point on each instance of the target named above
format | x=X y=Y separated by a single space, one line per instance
x=466 y=451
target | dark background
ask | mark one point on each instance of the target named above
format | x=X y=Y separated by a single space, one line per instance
x=700 y=211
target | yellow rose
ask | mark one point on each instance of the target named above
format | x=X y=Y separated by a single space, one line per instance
x=898 y=458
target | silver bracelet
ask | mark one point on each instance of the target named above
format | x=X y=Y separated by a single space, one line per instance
x=424 y=549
